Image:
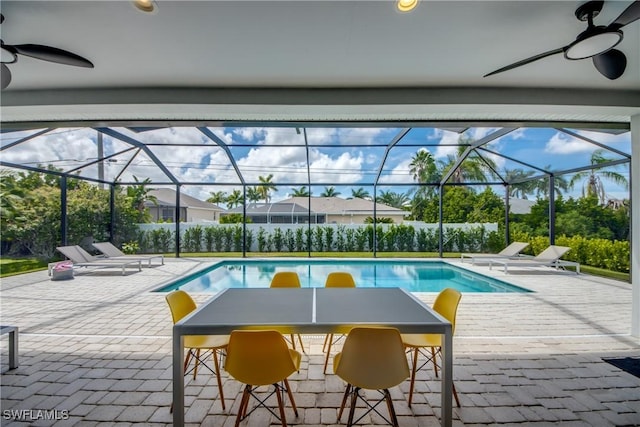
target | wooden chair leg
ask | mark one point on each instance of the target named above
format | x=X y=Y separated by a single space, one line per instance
x=413 y=374
x=392 y=411
x=214 y=354
x=324 y=344
x=197 y=360
x=244 y=402
x=326 y=359
x=344 y=401
x=186 y=361
x=293 y=342
x=433 y=359
x=280 y=406
x=293 y=402
x=301 y=344
x=455 y=394
x=352 y=409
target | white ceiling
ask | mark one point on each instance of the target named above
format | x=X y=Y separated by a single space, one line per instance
x=309 y=60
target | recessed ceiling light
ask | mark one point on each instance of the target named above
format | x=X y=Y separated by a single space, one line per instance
x=145 y=5
x=406 y=5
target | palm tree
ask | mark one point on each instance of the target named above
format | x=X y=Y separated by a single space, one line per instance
x=360 y=193
x=474 y=168
x=330 y=192
x=253 y=194
x=521 y=189
x=234 y=199
x=217 y=197
x=396 y=200
x=560 y=184
x=423 y=167
x=300 y=192
x=593 y=185
x=266 y=186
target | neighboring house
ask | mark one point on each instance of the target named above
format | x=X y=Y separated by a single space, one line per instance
x=321 y=210
x=191 y=209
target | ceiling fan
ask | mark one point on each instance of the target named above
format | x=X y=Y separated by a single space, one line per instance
x=46 y=53
x=596 y=42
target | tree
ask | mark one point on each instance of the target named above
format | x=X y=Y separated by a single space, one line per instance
x=474 y=168
x=36 y=230
x=330 y=192
x=360 y=193
x=217 y=197
x=253 y=195
x=266 y=187
x=520 y=189
x=300 y=192
x=560 y=186
x=423 y=167
x=234 y=199
x=139 y=195
x=396 y=200
x=10 y=195
x=593 y=184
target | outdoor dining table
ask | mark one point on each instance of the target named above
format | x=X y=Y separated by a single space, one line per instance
x=311 y=311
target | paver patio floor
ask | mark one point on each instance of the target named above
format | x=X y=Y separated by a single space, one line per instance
x=97 y=349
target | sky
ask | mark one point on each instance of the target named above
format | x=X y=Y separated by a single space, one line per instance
x=347 y=158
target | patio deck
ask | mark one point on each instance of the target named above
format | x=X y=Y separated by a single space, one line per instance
x=98 y=350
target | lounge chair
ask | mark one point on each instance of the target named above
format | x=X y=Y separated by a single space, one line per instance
x=112 y=252
x=82 y=258
x=550 y=257
x=511 y=251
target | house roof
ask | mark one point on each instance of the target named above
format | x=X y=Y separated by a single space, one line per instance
x=320 y=205
x=339 y=206
x=271 y=208
x=167 y=197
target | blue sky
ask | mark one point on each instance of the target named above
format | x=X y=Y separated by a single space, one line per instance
x=345 y=157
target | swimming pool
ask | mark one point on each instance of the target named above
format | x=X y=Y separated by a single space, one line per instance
x=413 y=276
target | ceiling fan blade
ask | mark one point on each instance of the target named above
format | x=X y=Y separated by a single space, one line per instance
x=610 y=64
x=526 y=61
x=52 y=54
x=6 y=76
x=630 y=14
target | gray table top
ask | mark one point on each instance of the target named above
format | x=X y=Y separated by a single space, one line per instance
x=311 y=310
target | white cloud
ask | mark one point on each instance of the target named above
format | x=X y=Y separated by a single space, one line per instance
x=443 y=150
x=399 y=174
x=609 y=139
x=345 y=169
x=63 y=149
x=561 y=143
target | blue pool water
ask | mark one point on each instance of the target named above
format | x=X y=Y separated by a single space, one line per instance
x=414 y=276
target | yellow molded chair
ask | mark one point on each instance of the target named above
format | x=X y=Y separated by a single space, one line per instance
x=446 y=304
x=336 y=279
x=371 y=359
x=182 y=304
x=258 y=358
x=288 y=279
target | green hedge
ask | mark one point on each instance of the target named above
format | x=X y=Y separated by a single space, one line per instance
x=608 y=254
x=9 y=266
x=601 y=253
x=389 y=238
